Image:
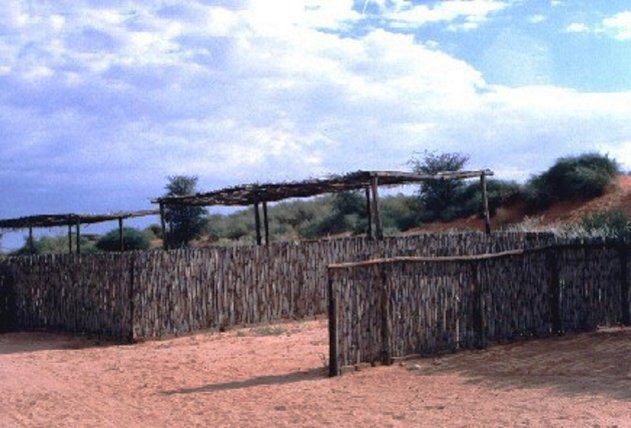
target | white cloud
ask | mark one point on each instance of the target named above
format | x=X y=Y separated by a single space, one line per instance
x=577 y=27
x=460 y=14
x=618 y=25
x=536 y=19
x=237 y=93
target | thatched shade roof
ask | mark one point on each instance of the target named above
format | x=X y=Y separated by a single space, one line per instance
x=249 y=194
x=53 y=220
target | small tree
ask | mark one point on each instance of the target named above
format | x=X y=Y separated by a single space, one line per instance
x=187 y=222
x=134 y=240
x=437 y=197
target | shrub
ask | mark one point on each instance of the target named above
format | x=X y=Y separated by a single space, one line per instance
x=499 y=192
x=606 y=223
x=154 y=230
x=134 y=240
x=571 y=178
x=54 y=245
x=399 y=212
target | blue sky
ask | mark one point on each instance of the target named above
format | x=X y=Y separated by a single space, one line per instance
x=101 y=100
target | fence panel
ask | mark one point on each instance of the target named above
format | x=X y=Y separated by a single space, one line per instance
x=434 y=305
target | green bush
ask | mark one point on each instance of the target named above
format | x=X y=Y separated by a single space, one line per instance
x=134 y=240
x=500 y=192
x=54 y=245
x=571 y=178
x=399 y=212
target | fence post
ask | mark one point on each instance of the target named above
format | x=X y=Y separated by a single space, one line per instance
x=554 y=290
x=478 y=312
x=625 y=317
x=385 y=317
x=333 y=362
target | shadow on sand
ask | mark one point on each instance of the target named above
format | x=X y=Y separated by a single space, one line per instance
x=34 y=341
x=597 y=363
x=299 y=376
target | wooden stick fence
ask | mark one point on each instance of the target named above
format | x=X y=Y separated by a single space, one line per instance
x=152 y=294
x=396 y=307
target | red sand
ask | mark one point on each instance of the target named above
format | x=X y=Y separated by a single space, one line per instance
x=250 y=377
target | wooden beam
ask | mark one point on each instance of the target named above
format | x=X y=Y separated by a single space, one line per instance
x=375 y=208
x=31 y=243
x=69 y=239
x=121 y=235
x=257 y=223
x=485 y=201
x=165 y=241
x=265 y=223
x=368 y=213
x=78 y=236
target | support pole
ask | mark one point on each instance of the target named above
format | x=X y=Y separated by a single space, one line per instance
x=375 y=207
x=368 y=213
x=31 y=244
x=69 y=239
x=121 y=235
x=485 y=200
x=165 y=241
x=78 y=236
x=257 y=223
x=265 y=223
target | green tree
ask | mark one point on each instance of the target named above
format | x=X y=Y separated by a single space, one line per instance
x=134 y=240
x=438 y=197
x=186 y=222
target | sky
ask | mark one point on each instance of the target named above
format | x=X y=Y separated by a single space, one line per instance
x=101 y=101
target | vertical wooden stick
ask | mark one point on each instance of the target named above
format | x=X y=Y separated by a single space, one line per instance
x=69 y=239
x=132 y=332
x=554 y=291
x=478 y=312
x=333 y=361
x=78 y=236
x=257 y=223
x=376 y=210
x=485 y=201
x=31 y=243
x=368 y=213
x=625 y=316
x=385 y=317
x=265 y=223
x=121 y=235
x=165 y=241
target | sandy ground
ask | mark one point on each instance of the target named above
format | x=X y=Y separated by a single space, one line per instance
x=274 y=376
